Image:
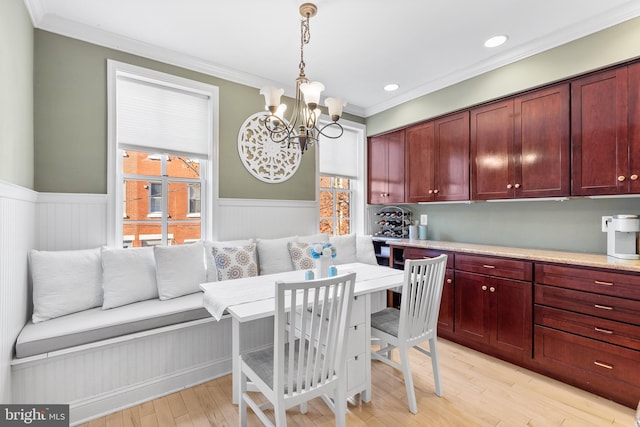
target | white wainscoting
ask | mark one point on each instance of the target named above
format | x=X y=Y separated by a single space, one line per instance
x=242 y=219
x=17 y=213
x=71 y=221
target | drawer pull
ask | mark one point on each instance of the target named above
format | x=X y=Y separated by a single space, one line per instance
x=598 y=282
x=484 y=287
x=488 y=266
x=602 y=364
x=603 y=307
x=604 y=331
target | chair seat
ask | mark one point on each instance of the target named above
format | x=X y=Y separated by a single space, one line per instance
x=261 y=361
x=387 y=321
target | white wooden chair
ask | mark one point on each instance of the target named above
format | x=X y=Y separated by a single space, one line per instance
x=308 y=358
x=415 y=322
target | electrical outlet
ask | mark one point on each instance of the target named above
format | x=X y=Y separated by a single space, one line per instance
x=423 y=219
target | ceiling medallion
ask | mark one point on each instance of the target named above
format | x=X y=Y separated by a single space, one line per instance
x=267 y=160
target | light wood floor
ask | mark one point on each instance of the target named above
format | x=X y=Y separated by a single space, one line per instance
x=478 y=391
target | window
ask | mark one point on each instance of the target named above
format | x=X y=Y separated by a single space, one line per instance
x=335 y=205
x=341 y=183
x=166 y=125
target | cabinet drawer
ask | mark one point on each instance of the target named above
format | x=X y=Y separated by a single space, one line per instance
x=612 y=308
x=358 y=311
x=594 y=364
x=356 y=372
x=419 y=253
x=356 y=340
x=588 y=326
x=500 y=267
x=583 y=279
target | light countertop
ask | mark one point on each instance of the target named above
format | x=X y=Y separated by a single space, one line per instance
x=540 y=255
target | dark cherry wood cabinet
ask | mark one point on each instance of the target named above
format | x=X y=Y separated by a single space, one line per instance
x=446 y=315
x=493 y=300
x=520 y=146
x=386 y=168
x=587 y=329
x=605 y=123
x=437 y=160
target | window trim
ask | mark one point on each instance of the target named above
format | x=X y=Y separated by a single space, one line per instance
x=210 y=187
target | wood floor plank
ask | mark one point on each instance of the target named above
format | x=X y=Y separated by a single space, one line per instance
x=479 y=391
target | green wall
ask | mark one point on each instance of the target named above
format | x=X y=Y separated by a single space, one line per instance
x=71 y=123
x=16 y=94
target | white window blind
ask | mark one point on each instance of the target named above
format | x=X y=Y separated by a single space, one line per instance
x=161 y=118
x=339 y=157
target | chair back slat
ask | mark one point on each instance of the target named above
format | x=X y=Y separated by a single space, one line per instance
x=311 y=321
x=421 y=295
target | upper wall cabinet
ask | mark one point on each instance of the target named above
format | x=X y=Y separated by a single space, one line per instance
x=605 y=120
x=520 y=147
x=437 y=160
x=386 y=168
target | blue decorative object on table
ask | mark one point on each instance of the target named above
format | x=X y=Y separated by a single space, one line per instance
x=322 y=253
x=333 y=271
x=308 y=275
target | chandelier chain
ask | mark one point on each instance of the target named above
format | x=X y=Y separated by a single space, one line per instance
x=305 y=37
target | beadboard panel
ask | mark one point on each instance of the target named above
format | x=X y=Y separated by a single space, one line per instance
x=17 y=213
x=98 y=379
x=71 y=221
x=243 y=219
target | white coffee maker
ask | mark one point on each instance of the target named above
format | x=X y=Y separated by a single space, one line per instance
x=622 y=235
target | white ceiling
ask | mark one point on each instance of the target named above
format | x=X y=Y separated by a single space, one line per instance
x=357 y=46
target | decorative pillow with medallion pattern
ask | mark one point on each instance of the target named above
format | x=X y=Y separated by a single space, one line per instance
x=236 y=261
x=300 y=256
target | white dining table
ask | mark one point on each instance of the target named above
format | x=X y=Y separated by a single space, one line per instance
x=251 y=298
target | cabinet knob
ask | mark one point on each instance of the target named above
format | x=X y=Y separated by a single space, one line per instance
x=492 y=289
x=430 y=191
x=517 y=185
x=449 y=281
x=509 y=186
x=621 y=178
x=435 y=191
x=633 y=177
x=484 y=288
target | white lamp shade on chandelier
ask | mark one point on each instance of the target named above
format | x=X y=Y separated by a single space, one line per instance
x=301 y=128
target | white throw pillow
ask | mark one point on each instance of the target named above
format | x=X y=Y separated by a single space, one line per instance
x=365 y=251
x=236 y=262
x=65 y=282
x=128 y=276
x=345 y=248
x=273 y=255
x=212 y=272
x=314 y=238
x=301 y=258
x=179 y=269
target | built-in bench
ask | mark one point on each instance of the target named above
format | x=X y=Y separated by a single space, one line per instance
x=131 y=344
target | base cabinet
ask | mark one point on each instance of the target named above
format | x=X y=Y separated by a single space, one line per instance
x=587 y=329
x=493 y=313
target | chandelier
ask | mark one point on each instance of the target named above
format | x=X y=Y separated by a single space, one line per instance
x=302 y=127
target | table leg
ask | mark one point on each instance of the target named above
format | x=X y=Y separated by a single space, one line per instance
x=235 y=361
x=365 y=395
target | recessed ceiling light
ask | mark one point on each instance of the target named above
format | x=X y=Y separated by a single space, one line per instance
x=391 y=87
x=496 y=41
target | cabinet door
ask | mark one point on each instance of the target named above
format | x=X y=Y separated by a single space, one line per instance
x=452 y=157
x=472 y=321
x=492 y=151
x=634 y=128
x=542 y=143
x=395 y=175
x=511 y=308
x=600 y=134
x=445 y=317
x=420 y=163
x=378 y=169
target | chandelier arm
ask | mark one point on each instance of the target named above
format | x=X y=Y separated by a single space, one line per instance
x=321 y=130
x=278 y=132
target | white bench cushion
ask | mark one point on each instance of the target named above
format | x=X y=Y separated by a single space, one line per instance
x=96 y=324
